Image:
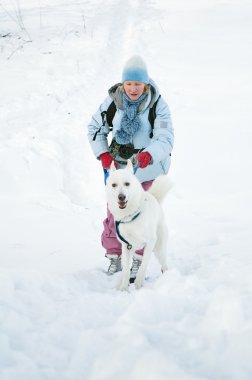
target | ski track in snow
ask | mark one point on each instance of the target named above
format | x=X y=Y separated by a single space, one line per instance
x=60 y=315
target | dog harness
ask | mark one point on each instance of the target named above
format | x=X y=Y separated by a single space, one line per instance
x=117 y=224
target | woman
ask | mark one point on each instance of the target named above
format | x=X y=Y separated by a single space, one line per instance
x=133 y=138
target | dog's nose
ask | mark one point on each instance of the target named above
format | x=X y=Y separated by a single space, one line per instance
x=121 y=197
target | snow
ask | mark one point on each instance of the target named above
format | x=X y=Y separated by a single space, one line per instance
x=60 y=315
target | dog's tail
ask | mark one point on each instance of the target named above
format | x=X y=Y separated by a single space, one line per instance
x=160 y=187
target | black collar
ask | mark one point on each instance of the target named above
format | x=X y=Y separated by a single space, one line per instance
x=117 y=223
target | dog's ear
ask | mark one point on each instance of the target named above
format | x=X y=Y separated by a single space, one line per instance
x=112 y=166
x=129 y=166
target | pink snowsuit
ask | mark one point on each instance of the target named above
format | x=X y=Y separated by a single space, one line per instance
x=109 y=239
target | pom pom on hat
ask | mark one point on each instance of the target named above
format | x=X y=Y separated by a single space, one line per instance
x=135 y=69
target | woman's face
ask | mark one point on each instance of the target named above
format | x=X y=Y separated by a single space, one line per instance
x=133 y=89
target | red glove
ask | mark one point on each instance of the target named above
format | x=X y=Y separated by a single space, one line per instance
x=106 y=160
x=144 y=158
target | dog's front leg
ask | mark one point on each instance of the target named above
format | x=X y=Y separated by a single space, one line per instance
x=140 y=277
x=124 y=282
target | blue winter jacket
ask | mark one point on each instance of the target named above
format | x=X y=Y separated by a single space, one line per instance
x=159 y=146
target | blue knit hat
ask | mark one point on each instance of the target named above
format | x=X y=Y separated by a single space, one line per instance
x=135 y=69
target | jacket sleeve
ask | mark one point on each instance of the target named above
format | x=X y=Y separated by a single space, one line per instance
x=163 y=134
x=97 y=132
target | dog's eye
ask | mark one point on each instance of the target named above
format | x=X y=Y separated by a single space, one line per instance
x=127 y=184
x=114 y=184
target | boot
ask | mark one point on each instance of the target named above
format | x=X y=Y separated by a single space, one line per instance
x=134 y=269
x=115 y=264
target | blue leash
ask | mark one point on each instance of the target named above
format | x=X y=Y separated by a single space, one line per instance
x=106 y=175
x=136 y=167
x=106 y=172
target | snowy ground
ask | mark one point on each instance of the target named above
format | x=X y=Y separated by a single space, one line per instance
x=60 y=315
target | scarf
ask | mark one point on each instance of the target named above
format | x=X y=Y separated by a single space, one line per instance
x=130 y=123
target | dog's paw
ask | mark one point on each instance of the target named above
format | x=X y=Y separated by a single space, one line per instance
x=139 y=282
x=164 y=269
x=123 y=286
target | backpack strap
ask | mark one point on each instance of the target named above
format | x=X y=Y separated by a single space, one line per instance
x=107 y=116
x=110 y=114
x=152 y=115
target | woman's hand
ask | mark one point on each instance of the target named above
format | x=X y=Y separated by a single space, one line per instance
x=144 y=158
x=106 y=160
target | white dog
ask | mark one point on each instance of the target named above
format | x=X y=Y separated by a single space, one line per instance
x=139 y=219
